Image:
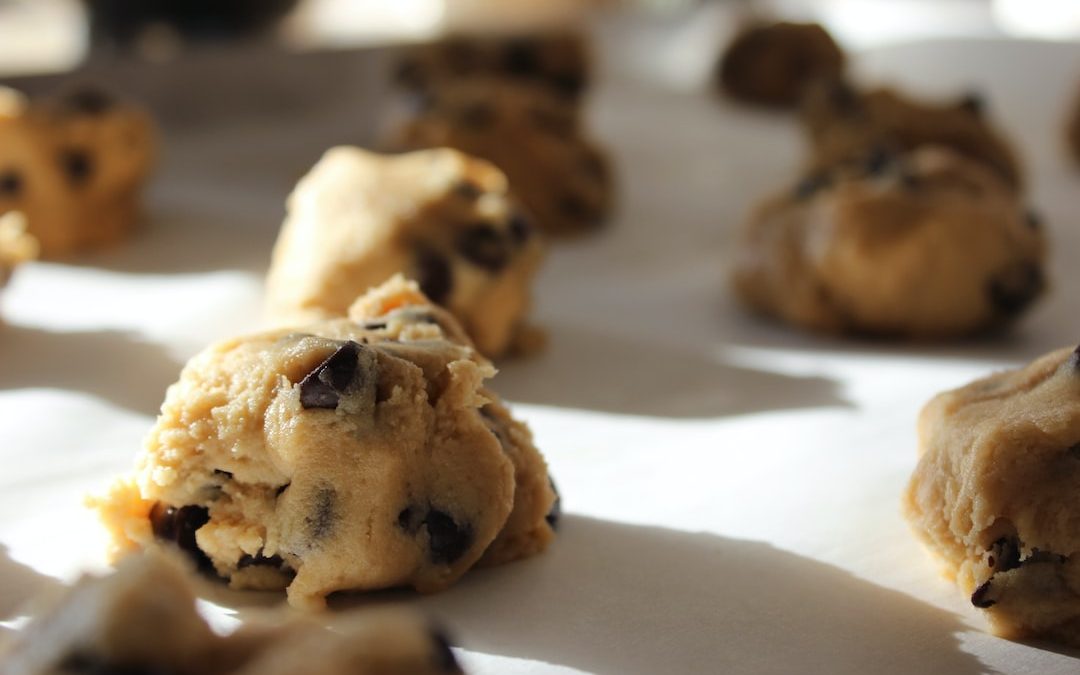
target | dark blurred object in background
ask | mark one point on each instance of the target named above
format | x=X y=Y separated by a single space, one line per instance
x=123 y=24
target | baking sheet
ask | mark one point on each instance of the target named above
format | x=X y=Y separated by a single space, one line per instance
x=731 y=486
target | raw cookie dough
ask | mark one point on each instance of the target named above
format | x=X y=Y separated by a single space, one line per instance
x=16 y=246
x=352 y=454
x=142 y=620
x=438 y=216
x=562 y=178
x=996 y=495
x=844 y=123
x=771 y=64
x=556 y=61
x=922 y=245
x=75 y=166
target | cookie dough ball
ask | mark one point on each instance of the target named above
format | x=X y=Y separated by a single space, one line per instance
x=142 y=619
x=923 y=245
x=438 y=216
x=771 y=64
x=844 y=123
x=556 y=61
x=996 y=495
x=562 y=177
x=352 y=454
x=75 y=167
x=16 y=246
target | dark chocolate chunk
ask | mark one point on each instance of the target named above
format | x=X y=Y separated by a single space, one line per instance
x=484 y=246
x=1005 y=554
x=555 y=513
x=979 y=599
x=77 y=164
x=445 y=661
x=87 y=101
x=812 y=184
x=374 y=325
x=520 y=228
x=1012 y=291
x=520 y=58
x=434 y=275
x=477 y=116
x=973 y=103
x=11 y=183
x=1033 y=220
x=324 y=386
x=178 y=526
x=324 y=516
x=447 y=540
x=467 y=190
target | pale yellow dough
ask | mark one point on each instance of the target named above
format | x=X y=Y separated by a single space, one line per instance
x=996 y=495
x=440 y=217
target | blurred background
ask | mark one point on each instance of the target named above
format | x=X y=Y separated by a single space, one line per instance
x=50 y=36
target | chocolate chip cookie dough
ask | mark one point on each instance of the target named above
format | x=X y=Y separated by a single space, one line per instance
x=438 y=216
x=75 y=166
x=844 y=123
x=771 y=63
x=351 y=454
x=142 y=619
x=996 y=495
x=561 y=176
x=16 y=246
x=556 y=61
x=926 y=244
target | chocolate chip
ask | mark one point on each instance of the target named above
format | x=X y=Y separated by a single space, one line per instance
x=406 y=520
x=812 y=184
x=477 y=116
x=979 y=599
x=568 y=84
x=224 y=474
x=324 y=515
x=282 y=488
x=972 y=103
x=1033 y=220
x=445 y=661
x=877 y=161
x=323 y=387
x=77 y=164
x=434 y=275
x=87 y=101
x=82 y=662
x=520 y=228
x=467 y=190
x=178 y=526
x=484 y=246
x=374 y=325
x=1005 y=554
x=11 y=183
x=447 y=540
x=1012 y=291
x=521 y=58
x=555 y=513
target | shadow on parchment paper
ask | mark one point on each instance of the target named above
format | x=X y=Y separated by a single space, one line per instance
x=19 y=585
x=614 y=598
x=111 y=364
x=598 y=371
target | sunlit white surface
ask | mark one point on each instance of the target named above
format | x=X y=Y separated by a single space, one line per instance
x=1045 y=19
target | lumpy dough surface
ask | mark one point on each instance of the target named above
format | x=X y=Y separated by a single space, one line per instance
x=844 y=123
x=352 y=454
x=560 y=175
x=74 y=166
x=142 y=620
x=16 y=245
x=438 y=216
x=996 y=495
x=771 y=64
x=924 y=245
x=557 y=61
